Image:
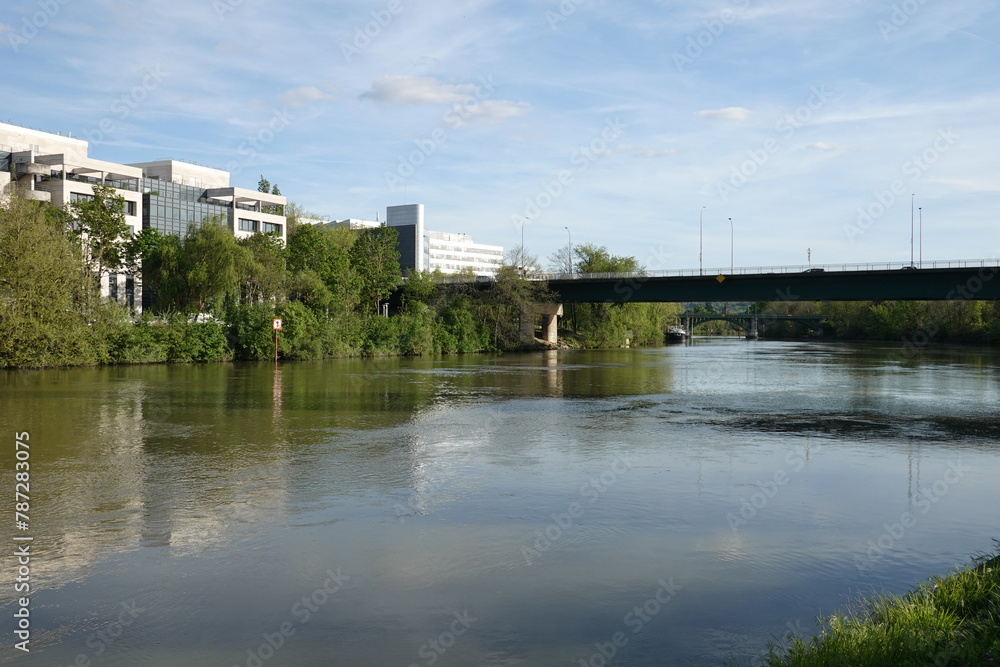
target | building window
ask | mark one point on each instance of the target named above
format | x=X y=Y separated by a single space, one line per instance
x=271 y=228
x=79 y=196
x=113 y=286
x=130 y=208
x=248 y=225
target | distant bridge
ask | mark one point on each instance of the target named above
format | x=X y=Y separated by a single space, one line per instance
x=750 y=322
x=935 y=281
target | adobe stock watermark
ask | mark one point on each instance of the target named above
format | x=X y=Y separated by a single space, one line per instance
x=581 y=160
x=566 y=9
x=125 y=104
x=302 y=611
x=913 y=343
x=627 y=287
x=108 y=635
x=454 y=117
x=914 y=167
x=432 y=650
x=768 y=489
x=256 y=142
x=38 y=21
x=365 y=35
x=780 y=646
x=224 y=7
x=635 y=620
x=901 y=14
x=922 y=503
x=591 y=491
x=714 y=28
x=785 y=128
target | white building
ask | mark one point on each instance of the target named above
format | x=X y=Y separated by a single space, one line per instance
x=448 y=252
x=454 y=252
x=167 y=195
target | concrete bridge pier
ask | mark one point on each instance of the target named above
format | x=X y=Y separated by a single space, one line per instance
x=550 y=312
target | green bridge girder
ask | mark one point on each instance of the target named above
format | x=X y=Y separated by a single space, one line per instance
x=939 y=284
x=746 y=320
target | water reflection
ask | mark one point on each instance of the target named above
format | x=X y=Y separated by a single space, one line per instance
x=239 y=485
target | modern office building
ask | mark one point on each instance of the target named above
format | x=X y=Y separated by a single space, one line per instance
x=453 y=253
x=448 y=252
x=354 y=223
x=408 y=219
x=166 y=195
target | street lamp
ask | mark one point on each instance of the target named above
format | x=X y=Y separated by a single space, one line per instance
x=732 y=247
x=912 y=197
x=570 y=249
x=521 y=258
x=701 y=240
x=921 y=209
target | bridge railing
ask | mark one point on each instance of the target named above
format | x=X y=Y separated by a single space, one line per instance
x=763 y=270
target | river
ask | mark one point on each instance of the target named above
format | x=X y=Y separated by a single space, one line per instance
x=682 y=505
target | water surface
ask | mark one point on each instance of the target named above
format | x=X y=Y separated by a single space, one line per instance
x=672 y=506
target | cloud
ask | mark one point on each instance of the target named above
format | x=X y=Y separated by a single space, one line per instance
x=728 y=113
x=5 y=28
x=297 y=97
x=399 y=89
x=643 y=151
x=833 y=147
x=491 y=111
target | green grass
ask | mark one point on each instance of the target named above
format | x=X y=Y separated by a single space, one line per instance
x=947 y=621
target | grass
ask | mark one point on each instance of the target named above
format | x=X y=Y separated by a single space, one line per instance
x=948 y=621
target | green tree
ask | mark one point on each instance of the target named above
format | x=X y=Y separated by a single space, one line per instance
x=209 y=265
x=45 y=289
x=261 y=268
x=263 y=185
x=376 y=261
x=99 y=222
x=327 y=253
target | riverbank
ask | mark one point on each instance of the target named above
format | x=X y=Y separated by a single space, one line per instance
x=949 y=620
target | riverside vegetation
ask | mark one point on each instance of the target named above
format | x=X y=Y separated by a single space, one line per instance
x=214 y=296
x=950 y=620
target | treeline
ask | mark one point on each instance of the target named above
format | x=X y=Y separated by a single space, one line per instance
x=616 y=324
x=962 y=321
x=210 y=296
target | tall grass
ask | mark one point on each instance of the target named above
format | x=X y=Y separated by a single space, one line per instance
x=948 y=621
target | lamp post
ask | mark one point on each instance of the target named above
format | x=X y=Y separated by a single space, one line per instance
x=809 y=256
x=921 y=209
x=521 y=258
x=732 y=247
x=701 y=240
x=912 y=197
x=570 y=250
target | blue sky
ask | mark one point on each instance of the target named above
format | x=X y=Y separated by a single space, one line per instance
x=811 y=124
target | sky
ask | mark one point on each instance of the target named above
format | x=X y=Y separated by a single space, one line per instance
x=753 y=132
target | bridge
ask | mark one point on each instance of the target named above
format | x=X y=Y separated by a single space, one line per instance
x=752 y=323
x=932 y=281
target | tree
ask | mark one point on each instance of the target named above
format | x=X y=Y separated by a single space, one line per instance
x=561 y=261
x=99 y=222
x=591 y=258
x=209 y=264
x=522 y=260
x=327 y=253
x=263 y=185
x=500 y=307
x=376 y=261
x=261 y=268
x=46 y=289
